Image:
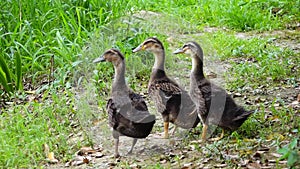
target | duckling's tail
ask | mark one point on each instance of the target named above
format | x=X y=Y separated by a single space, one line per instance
x=141 y=129
x=244 y=115
x=241 y=118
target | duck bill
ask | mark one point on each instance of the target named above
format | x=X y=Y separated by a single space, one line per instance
x=178 y=51
x=99 y=59
x=137 y=49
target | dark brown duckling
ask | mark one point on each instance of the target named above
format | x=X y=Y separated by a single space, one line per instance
x=170 y=99
x=127 y=111
x=214 y=105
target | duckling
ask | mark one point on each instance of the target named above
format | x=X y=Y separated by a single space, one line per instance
x=173 y=102
x=215 y=106
x=128 y=114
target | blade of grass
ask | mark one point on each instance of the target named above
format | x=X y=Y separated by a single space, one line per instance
x=6 y=71
x=3 y=81
x=18 y=72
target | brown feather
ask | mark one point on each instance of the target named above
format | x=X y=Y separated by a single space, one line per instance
x=171 y=101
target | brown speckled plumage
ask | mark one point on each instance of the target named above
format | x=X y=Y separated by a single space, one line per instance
x=128 y=114
x=214 y=105
x=173 y=102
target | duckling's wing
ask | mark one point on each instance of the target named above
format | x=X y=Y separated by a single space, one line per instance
x=140 y=111
x=127 y=120
x=215 y=101
x=119 y=111
x=213 y=95
x=161 y=91
x=138 y=102
x=168 y=87
x=112 y=112
x=159 y=99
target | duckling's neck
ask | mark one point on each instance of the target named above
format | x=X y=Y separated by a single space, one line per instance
x=159 y=60
x=197 y=66
x=119 y=82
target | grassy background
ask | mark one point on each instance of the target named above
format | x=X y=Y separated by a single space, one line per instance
x=46 y=48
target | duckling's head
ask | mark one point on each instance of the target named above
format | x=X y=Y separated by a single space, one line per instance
x=111 y=55
x=191 y=48
x=151 y=44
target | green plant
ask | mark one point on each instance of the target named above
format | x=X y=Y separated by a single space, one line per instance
x=11 y=81
x=290 y=152
x=25 y=128
x=5 y=78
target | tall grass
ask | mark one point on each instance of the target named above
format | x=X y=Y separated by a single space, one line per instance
x=33 y=31
x=234 y=14
x=36 y=30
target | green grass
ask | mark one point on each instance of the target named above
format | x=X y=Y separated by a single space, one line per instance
x=234 y=14
x=25 y=128
x=254 y=60
x=37 y=37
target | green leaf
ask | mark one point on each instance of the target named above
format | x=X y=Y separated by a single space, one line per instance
x=293 y=158
x=3 y=81
x=18 y=73
x=293 y=144
x=74 y=64
x=285 y=153
x=6 y=71
x=283 y=150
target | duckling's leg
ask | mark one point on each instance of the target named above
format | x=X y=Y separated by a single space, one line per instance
x=133 y=144
x=166 y=129
x=116 y=148
x=204 y=131
x=175 y=128
x=218 y=138
x=116 y=139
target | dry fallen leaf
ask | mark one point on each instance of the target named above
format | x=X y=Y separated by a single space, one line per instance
x=275 y=155
x=187 y=166
x=46 y=149
x=79 y=160
x=253 y=165
x=51 y=158
x=85 y=151
x=296 y=103
x=49 y=155
x=249 y=140
x=163 y=161
x=86 y=160
x=135 y=166
x=97 y=155
x=264 y=148
x=266 y=167
x=237 y=95
x=275 y=136
x=257 y=155
x=221 y=165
